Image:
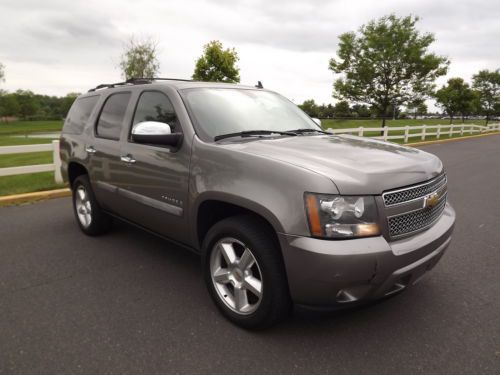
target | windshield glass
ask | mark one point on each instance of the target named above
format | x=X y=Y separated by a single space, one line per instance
x=218 y=111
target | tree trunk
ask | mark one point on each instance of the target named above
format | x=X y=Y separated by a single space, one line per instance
x=487 y=119
x=383 y=124
x=451 y=119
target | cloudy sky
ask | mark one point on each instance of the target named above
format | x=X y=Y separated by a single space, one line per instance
x=60 y=46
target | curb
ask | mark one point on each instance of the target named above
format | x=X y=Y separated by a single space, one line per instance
x=36 y=196
x=437 y=141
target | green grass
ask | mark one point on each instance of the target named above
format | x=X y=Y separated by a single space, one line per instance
x=30 y=158
x=27 y=183
x=11 y=141
x=26 y=127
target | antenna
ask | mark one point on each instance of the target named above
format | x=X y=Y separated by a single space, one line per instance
x=259 y=85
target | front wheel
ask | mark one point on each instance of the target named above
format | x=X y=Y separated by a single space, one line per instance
x=245 y=274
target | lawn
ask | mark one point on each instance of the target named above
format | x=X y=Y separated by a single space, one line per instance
x=26 y=183
x=26 y=127
x=371 y=123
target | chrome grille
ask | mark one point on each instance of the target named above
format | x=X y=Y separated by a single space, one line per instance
x=415 y=220
x=399 y=196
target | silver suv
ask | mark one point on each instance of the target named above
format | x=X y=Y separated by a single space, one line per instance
x=281 y=211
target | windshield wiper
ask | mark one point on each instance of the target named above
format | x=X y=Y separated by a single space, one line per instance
x=308 y=130
x=249 y=133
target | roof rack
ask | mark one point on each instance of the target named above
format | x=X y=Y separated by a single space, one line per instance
x=135 y=81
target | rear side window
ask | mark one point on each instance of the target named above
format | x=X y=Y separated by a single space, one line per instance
x=79 y=114
x=110 y=121
x=156 y=106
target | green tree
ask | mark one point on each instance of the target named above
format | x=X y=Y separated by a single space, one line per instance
x=360 y=110
x=341 y=109
x=417 y=108
x=217 y=64
x=8 y=105
x=139 y=60
x=28 y=104
x=2 y=72
x=387 y=63
x=487 y=85
x=310 y=107
x=456 y=97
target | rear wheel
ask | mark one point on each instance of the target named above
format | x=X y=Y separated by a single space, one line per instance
x=91 y=219
x=245 y=274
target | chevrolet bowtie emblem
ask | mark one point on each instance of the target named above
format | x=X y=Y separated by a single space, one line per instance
x=431 y=200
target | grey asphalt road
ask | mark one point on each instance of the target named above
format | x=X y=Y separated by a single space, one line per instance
x=132 y=303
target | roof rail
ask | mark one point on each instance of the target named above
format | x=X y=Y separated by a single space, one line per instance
x=135 y=81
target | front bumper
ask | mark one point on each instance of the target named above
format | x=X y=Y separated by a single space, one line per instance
x=329 y=272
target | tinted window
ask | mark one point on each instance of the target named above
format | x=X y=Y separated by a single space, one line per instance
x=155 y=106
x=79 y=114
x=111 y=119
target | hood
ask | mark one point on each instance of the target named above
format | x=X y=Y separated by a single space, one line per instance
x=356 y=165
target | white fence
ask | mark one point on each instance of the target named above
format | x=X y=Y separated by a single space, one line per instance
x=54 y=167
x=420 y=132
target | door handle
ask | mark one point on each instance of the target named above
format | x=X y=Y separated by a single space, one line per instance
x=90 y=149
x=127 y=159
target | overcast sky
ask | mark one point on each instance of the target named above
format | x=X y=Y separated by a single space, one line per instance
x=60 y=46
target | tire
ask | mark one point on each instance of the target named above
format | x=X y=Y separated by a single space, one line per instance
x=89 y=215
x=241 y=258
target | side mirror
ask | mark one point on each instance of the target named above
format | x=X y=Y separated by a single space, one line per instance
x=316 y=120
x=155 y=133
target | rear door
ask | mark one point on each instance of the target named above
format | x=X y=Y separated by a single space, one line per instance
x=104 y=150
x=156 y=180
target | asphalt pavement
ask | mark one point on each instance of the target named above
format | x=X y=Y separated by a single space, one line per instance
x=131 y=303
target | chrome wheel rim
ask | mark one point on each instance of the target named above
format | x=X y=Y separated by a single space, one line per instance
x=236 y=276
x=83 y=206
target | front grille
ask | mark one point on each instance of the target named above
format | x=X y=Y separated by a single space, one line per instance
x=416 y=220
x=394 y=197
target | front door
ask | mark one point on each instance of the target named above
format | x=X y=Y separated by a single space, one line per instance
x=155 y=179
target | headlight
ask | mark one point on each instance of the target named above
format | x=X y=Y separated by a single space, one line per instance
x=336 y=216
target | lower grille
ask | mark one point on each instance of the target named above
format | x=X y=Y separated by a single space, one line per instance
x=416 y=220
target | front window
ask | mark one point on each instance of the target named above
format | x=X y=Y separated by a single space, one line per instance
x=219 y=111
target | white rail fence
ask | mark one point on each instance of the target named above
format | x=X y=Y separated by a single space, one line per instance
x=403 y=132
x=54 y=167
x=421 y=131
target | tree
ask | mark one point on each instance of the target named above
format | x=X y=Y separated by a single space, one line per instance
x=456 y=97
x=386 y=63
x=2 y=72
x=360 y=110
x=140 y=59
x=341 y=109
x=310 y=107
x=28 y=104
x=417 y=107
x=8 y=105
x=487 y=85
x=217 y=64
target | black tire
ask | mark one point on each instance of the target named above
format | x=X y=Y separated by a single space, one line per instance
x=99 y=222
x=274 y=304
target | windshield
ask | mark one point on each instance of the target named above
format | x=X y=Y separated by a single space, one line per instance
x=218 y=111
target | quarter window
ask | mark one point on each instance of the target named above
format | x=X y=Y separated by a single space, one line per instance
x=111 y=119
x=156 y=106
x=79 y=114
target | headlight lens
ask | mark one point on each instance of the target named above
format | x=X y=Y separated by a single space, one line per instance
x=336 y=216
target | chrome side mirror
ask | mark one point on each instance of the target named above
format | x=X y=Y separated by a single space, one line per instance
x=316 y=120
x=151 y=128
x=155 y=133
